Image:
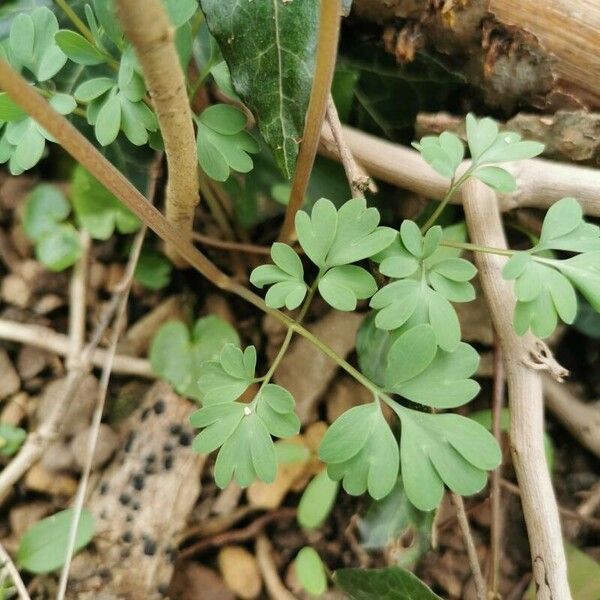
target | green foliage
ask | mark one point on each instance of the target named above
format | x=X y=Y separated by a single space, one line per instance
x=545 y=287
x=78 y=49
x=332 y=239
x=98 y=210
x=391 y=583
x=361 y=449
x=311 y=571
x=57 y=244
x=176 y=353
x=222 y=142
x=153 y=270
x=317 y=501
x=42 y=548
x=487 y=145
x=271 y=60
x=11 y=439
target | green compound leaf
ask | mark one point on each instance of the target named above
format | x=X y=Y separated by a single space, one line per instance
x=244 y=431
x=57 y=244
x=317 y=501
x=153 y=270
x=11 y=439
x=98 y=211
x=342 y=287
x=32 y=43
x=177 y=354
x=9 y=111
x=78 y=49
x=438 y=449
x=271 y=60
x=443 y=153
x=488 y=145
x=286 y=277
x=333 y=238
x=497 y=178
x=361 y=449
x=583 y=271
x=42 y=548
x=391 y=583
x=227 y=378
x=444 y=382
x=181 y=11
x=222 y=142
x=311 y=571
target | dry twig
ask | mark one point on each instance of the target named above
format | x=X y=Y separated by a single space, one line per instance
x=7 y=563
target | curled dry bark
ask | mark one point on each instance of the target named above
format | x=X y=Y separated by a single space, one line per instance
x=147 y=26
x=523 y=360
x=515 y=51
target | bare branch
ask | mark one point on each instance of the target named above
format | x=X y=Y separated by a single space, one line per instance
x=147 y=26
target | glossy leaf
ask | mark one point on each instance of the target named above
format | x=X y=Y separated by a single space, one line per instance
x=271 y=60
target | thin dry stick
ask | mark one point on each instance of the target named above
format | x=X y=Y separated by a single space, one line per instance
x=268 y=570
x=358 y=180
x=147 y=26
x=523 y=357
x=124 y=288
x=329 y=31
x=7 y=563
x=77 y=300
x=463 y=523
x=47 y=339
x=495 y=491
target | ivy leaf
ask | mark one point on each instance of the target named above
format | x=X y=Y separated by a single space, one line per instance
x=177 y=354
x=438 y=449
x=391 y=583
x=333 y=238
x=361 y=449
x=11 y=439
x=32 y=43
x=153 y=270
x=286 y=277
x=311 y=571
x=227 y=378
x=222 y=142
x=57 y=244
x=342 y=287
x=271 y=60
x=317 y=501
x=42 y=548
x=78 y=49
x=444 y=381
x=98 y=211
x=443 y=153
x=244 y=431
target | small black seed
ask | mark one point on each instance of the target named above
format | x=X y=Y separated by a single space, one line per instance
x=150 y=458
x=138 y=481
x=104 y=573
x=149 y=469
x=185 y=439
x=168 y=447
x=168 y=462
x=149 y=546
x=159 y=407
x=135 y=506
x=103 y=488
x=124 y=499
x=175 y=429
x=171 y=554
x=129 y=441
x=129 y=518
x=145 y=414
x=125 y=552
x=127 y=537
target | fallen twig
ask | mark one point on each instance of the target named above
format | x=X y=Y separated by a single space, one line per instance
x=268 y=570
x=7 y=563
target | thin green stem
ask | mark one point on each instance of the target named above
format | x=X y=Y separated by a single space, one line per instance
x=79 y=24
x=476 y=248
x=454 y=186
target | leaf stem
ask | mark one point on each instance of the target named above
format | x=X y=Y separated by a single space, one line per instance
x=476 y=248
x=454 y=186
x=79 y=24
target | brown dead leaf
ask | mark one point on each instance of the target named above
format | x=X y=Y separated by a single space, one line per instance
x=106 y=444
x=240 y=571
x=15 y=290
x=344 y=394
x=192 y=581
x=31 y=361
x=9 y=379
x=39 y=479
